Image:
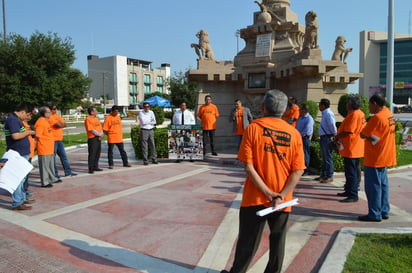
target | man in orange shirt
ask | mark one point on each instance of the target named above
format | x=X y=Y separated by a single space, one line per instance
x=274 y=162
x=380 y=153
x=33 y=143
x=45 y=148
x=57 y=123
x=208 y=113
x=95 y=134
x=292 y=113
x=351 y=147
x=240 y=117
x=112 y=127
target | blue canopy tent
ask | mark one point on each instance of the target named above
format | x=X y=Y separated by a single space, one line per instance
x=158 y=101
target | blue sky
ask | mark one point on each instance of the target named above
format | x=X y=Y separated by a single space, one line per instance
x=162 y=31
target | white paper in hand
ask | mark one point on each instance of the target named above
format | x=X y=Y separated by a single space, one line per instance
x=281 y=206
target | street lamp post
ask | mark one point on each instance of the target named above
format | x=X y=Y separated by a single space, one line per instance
x=390 y=55
x=4 y=20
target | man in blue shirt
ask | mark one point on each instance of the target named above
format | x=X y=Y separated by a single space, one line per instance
x=327 y=131
x=17 y=140
x=305 y=127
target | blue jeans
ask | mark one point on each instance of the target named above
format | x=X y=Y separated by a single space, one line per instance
x=377 y=192
x=19 y=195
x=306 y=150
x=326 y=150
x=352 y=176
x=59 y=151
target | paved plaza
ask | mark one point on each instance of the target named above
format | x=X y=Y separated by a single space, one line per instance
x=175 y=218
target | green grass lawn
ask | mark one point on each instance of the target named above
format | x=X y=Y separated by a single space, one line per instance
x=380 y=253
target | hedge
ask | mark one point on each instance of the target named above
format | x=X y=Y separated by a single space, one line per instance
x=161 y=139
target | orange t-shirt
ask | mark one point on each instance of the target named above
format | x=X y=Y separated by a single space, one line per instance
x=113 y=126
x=264 y=152
x=292 y=113
x=353 y=144
x=31 y=140
x=383 y=153
x=57 y=132
x=45 y=138
x=208 y=115
x=92 y=123
x=239 y=122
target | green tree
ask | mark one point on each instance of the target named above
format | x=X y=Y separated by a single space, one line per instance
x=38 y=70
x=183 y=91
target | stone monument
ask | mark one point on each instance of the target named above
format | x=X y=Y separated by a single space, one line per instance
x=279 y=53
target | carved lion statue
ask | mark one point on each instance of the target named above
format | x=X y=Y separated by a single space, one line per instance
x=203 y=49
x=311 y=30
x=340 y=53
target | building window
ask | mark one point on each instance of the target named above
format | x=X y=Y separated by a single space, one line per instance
x=159 y=80
x=132 y=100
x=133 y=89
x=147 y=89
x=160 y=89
x=133 y=78
x=147 y=79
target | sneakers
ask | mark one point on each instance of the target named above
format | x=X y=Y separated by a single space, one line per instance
x=155 y=162
x=214 y=153
x=127 y=165
x=326 y=180
x=29 y=201
x=21 y=207
x=58 y=181
x=47 y=186
x=145 y=163
x=111 y=167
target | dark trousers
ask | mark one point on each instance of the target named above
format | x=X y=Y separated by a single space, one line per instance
x=306 y=150
x=122 y=152
x=211 y=135
x=250 y=231
x=352 y=175
x=326 y=149
x=94 y=148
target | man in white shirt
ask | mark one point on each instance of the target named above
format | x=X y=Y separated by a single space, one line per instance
x=147 y=121
x=183 y=116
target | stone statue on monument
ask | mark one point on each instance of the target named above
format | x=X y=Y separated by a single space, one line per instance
x=311 y=30
x=203 y=49
x=340 y=53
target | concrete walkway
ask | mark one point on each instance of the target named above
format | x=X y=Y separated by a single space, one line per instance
x=175 y=218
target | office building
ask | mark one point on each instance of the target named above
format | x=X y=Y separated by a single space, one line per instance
x=124 y=81
x=373 y=63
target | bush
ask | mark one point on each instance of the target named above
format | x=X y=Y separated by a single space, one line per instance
x=343 y=101
x=159 y=114
x=316 y=158
x=169 y=115
x=161 y=139
x=313 y=108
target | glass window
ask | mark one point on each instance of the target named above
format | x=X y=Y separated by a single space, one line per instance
x=147 y=89
x=147 y=78
x=160 y=80
x=132 y=77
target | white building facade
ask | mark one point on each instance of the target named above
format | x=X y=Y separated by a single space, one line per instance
x=124 y=81
x=373 y=63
